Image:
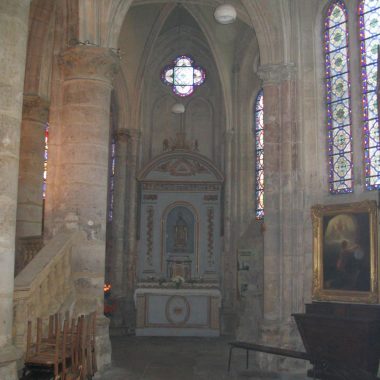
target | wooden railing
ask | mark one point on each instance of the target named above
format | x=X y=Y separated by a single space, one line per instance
x=26 y=249
x=45 y=286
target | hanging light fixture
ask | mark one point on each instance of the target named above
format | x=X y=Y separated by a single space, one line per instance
x=178 y=108
x=225 y=14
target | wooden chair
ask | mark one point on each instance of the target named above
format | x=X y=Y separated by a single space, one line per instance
x=47 y=354
x=68 y=353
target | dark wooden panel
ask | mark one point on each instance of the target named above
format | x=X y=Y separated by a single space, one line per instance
x=341 y=336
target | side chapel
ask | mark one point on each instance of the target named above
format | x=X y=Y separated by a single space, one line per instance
x=212 y=177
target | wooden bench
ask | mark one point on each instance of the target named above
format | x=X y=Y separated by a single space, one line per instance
x=267 y=349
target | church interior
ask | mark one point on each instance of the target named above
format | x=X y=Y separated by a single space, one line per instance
x=191 y=169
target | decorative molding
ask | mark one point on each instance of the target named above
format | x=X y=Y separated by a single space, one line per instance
x=180 y=155
x=88 y=62
x=214 y=313
x=177 y=310
x=180 y=187
x=182 y=167
x=149 y=235
x=275 y=74
x=210 y=197
x=150 y=197
x=210 y=236
x=35 y=108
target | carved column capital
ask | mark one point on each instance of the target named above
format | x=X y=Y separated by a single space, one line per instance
x=133 y=134
x=35 y=108
x=89 y=62
x=229 y=134
x=121 y=135
x=275 y=74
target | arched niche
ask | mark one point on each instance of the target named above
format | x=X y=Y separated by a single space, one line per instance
x=180 y=234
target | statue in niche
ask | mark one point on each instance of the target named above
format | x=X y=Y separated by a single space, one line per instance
x=180 y=233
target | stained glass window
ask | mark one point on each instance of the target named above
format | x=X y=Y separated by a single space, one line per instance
x=369 y=24
x=338 y=99
x=45 y=161
x=183 y=76
x=112 y=179
x=259 y=142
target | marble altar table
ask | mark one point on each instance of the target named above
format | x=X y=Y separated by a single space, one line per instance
x=177 y=312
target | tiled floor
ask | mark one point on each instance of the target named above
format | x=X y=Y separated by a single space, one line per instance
x=142 y=358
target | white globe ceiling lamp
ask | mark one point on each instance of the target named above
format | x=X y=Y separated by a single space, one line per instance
x=178 y=108
x=225 y=14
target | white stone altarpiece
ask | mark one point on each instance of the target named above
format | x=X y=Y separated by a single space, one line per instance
x=178 y=262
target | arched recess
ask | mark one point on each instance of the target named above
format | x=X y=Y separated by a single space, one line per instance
x=191 y=216
x=40 y=48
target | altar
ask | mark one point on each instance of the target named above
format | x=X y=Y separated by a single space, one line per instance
x=177 y=312
x=179 y=251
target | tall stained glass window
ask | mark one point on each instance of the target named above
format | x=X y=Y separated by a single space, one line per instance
x=369 y=24
x=45 y=161
x=112 y=179
x=259 y=142
x=183 y=76
x=338 y=99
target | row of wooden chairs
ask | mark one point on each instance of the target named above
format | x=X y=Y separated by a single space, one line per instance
x=66 y=350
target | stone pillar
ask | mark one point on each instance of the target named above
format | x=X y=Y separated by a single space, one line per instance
x=117 y=272
x=32 y=145
x=131 y=221
x=282 y=261
x=83 y=172
x=13 y=36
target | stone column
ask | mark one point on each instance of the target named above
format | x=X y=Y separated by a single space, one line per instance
x=13 y=36
x=83 y=171
x=130 y=222
x=281 y=260
x=32 y=146
x=117 y=274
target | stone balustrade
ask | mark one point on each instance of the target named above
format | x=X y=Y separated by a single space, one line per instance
x=26 y=249
x=45 y=286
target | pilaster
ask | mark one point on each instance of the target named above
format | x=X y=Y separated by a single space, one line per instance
x=282 y=262
x=134 y=136
x=229 y=256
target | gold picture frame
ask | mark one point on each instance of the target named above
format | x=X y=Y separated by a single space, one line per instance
x=345 y=257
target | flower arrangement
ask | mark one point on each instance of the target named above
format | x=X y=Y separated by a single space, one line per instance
x=177 y=281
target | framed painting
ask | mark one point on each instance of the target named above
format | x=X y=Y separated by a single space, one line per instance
x=345 y=263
